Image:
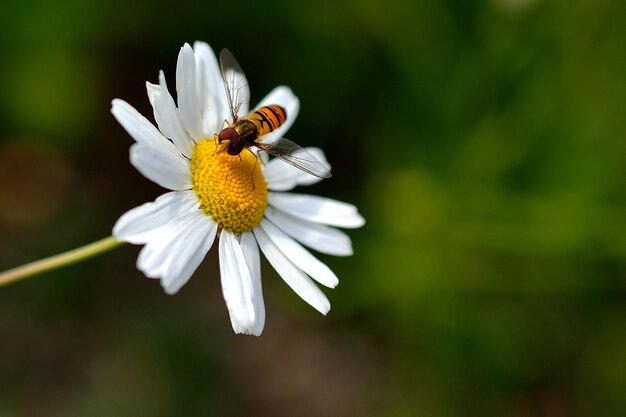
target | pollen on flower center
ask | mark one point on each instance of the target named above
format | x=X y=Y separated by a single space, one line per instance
x=231 y=189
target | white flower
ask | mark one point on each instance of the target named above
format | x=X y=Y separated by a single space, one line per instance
x=216 y=194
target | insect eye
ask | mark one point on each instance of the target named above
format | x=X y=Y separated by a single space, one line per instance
x=227 y=134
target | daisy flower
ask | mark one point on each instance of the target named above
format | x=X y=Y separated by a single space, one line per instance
x=213 y=195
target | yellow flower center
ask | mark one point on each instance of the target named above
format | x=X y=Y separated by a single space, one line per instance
x=231 y=189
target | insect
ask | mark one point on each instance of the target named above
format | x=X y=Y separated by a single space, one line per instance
x=245 y=132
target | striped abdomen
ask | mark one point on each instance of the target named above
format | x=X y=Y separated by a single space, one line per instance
x=268 y=118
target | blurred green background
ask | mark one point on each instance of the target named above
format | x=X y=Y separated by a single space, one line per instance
x=482 y=140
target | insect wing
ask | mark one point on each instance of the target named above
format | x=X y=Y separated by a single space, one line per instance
x=296 y=155
x=235 y=84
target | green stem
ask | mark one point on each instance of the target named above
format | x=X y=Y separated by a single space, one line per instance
x=57 y=261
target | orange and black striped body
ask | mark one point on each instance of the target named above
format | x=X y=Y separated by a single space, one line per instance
x=246 y=131
x=268 y=118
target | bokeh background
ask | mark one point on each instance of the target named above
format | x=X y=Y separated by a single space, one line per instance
x=482 y=140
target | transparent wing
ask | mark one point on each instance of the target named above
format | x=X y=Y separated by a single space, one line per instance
x=296 y=155
x=235 y=83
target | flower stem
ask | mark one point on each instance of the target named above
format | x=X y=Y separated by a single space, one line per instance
x=57 y=261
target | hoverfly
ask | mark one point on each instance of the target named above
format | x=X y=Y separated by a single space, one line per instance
x=244 y=132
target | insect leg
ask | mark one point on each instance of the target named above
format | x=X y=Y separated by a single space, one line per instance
x=215 y=139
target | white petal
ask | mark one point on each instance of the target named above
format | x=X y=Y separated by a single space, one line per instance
x=161 y=166
x=189 y=252
x=294 y=277
x=322 y=238
x=154 y=258
x=214 y=104
x=175 y=250
x=300 y=256
x=204 y=95
x=284 y=97
x=253 y=259
x=194 y=261
x=236 y=283
x=281 y=176
x=136 y=225
x=186 y=89
x=264 y=156
x=140 y=128
x=317 y=209
x=167 y=116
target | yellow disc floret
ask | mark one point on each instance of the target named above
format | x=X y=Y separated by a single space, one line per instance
x=231 y=189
